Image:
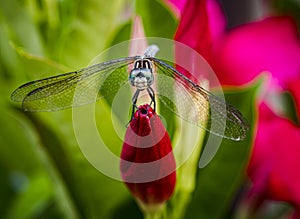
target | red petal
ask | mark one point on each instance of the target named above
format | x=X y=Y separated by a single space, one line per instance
x=202 y=23
x=193 y=29
x=148 y=164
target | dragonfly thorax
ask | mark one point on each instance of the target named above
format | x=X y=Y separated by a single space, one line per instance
x=141 y=76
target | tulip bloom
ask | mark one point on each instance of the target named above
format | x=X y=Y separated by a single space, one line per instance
x=147 y=162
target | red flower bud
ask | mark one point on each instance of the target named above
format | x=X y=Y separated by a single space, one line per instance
x=147 y=162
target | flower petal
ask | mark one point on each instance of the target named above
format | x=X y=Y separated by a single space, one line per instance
x=274 y=166
x=269 y=45
x=178 y=4
x=202 y=22
x=147 y=142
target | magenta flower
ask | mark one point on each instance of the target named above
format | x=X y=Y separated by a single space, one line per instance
x=238 y=56
x=270 y=45
x=148 y=165
x=274 y=166
x=178 y=4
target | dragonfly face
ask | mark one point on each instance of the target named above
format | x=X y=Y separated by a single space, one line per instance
x=141 y=76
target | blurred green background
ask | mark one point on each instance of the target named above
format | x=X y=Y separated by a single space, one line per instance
x=43 y=172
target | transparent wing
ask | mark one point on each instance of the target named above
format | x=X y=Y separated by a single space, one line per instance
x=74 y=88
x=196 y=105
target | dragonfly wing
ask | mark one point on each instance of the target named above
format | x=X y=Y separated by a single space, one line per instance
x=196 y=105
x=191 y=107
x=74 y=88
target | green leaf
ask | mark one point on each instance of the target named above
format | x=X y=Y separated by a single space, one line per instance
x=22 y=30
x=26 y=191
x=86 y=186
x=288 y=7
x=80 y=190
x=31 y=202
x=90 y=23
x=157 y=18
x=121 y=34
x=220 y=180
x=9 y=64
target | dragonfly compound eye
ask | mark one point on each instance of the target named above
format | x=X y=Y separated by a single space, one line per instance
x=141 y=78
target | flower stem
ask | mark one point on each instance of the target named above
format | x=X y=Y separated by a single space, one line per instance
x=153 y=211
x=186 y=174
x=152 y=215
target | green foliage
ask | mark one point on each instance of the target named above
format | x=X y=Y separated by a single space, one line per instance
x=43 y=172
x=218 y=183
x=153 y=13
x=289 y=8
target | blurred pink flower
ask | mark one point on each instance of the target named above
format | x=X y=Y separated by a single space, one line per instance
x=238 y=56
x=270 y=45
x=178 y=5
x=274 y=166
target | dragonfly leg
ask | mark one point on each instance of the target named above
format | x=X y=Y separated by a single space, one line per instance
x=134 y=100
x=152 y=96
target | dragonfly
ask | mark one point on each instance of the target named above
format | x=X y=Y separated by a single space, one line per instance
x=178 y=93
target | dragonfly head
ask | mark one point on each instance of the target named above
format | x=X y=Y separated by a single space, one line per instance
x=141 y=76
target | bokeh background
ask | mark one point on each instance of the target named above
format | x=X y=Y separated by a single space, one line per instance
x=43 y=173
